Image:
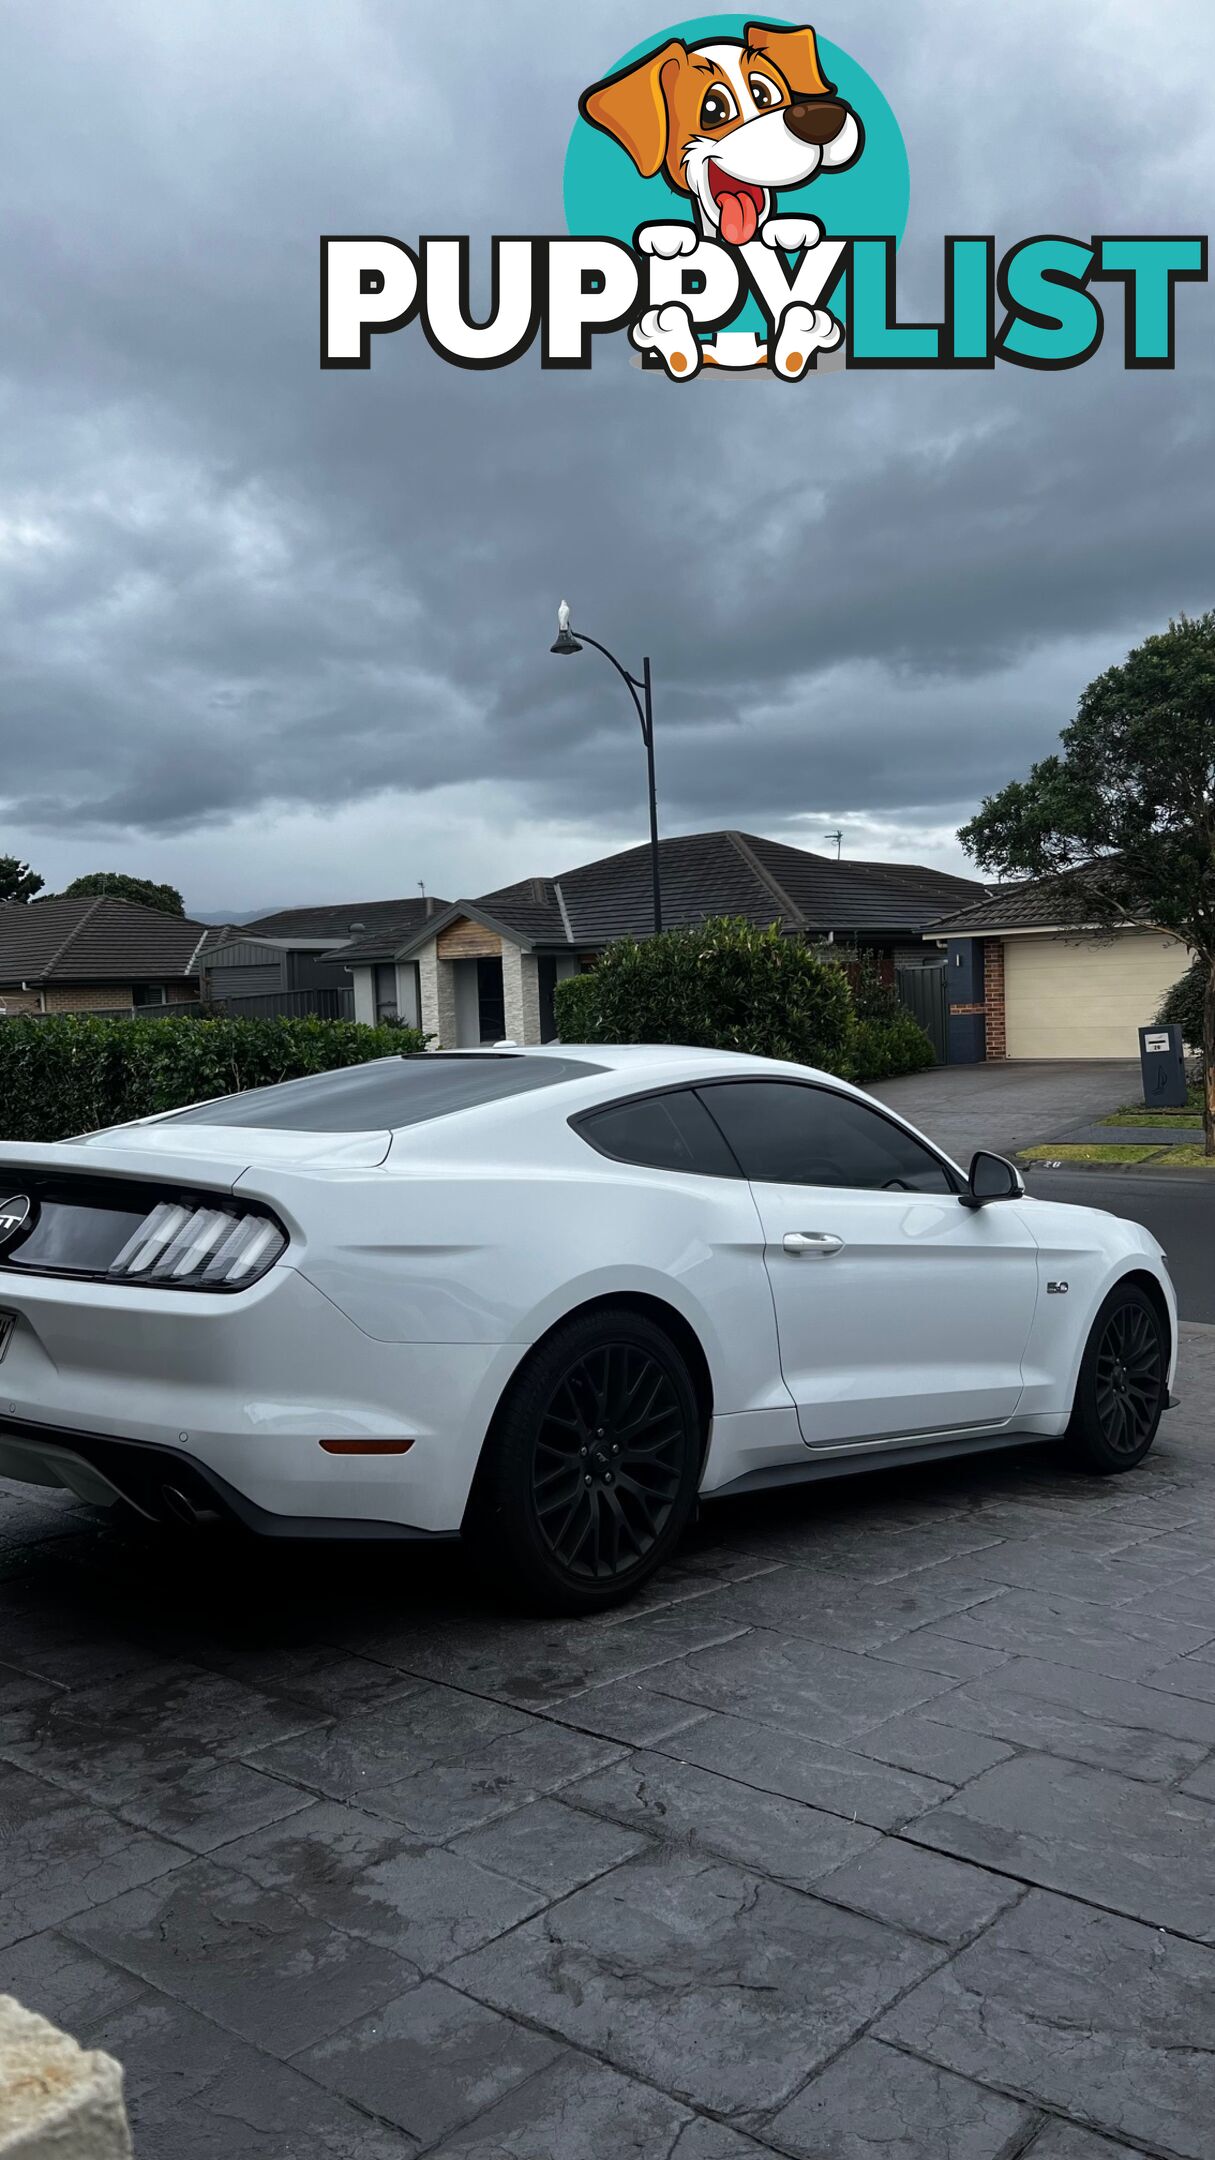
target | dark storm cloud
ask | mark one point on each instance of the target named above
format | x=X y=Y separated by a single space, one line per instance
x=227 y=579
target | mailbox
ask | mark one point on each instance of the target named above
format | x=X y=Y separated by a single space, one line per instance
x=1162 y=1060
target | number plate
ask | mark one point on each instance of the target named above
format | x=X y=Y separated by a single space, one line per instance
x=8 y=1322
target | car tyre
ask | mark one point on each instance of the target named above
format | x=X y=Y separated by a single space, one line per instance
x=590 y=1471
x=1122 y=1389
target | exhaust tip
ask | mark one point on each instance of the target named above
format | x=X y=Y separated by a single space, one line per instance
x=183 y=1510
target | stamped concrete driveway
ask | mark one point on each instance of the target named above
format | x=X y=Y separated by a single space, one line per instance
x=1006 y=1107
x=884 y=1829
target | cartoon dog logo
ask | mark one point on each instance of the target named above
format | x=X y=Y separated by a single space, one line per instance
x=728 y=124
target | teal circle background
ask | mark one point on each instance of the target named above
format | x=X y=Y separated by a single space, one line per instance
x=605 y=193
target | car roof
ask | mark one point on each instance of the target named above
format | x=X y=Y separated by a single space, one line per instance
x=647 y=1062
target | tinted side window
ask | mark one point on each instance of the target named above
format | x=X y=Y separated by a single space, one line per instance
x=784 y=1134
x=664 y=1132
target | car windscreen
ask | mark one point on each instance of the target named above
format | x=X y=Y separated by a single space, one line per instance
x=386 y=1094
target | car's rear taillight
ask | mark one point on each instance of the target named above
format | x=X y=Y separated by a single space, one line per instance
x=200 y=1248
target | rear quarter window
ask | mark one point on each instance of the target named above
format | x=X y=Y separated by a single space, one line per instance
x=660 y=1132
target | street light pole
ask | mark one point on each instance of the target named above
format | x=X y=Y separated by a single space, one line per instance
x=641 y=690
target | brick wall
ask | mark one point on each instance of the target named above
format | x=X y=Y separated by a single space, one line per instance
x=993 y=998
x=95 y=997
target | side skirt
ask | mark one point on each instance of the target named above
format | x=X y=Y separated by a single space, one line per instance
x=852 y=1462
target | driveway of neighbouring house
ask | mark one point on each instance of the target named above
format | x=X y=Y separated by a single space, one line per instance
x=1008 y=1106
x=883 y=1827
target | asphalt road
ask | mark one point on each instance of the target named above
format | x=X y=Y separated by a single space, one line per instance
x=1178 y=1209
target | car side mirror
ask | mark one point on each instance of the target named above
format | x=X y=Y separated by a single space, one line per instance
x=992 y=1177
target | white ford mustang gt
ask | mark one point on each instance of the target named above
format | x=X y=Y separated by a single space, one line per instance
x=546 y=1297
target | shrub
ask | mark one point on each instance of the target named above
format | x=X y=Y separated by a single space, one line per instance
x=887 y=1047
x=71 y=1074
x=889 y=1039
x=721 y=985
x=1182 y=1005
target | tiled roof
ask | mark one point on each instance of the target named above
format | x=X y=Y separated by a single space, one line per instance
x=714 y=873
x=92 y=940
x=1047 y=903
x=337 y=923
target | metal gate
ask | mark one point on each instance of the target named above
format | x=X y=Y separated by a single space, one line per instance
x=924 y=993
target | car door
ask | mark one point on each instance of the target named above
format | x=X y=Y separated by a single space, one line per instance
x=898 y=1310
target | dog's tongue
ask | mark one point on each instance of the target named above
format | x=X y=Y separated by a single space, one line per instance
x=739 y=219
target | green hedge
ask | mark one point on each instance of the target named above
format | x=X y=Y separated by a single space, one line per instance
x=722 y=986
x=67 y=1075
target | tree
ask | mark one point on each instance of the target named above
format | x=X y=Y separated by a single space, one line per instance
x=1125 y=816
x=116 y=885
x=17 y=880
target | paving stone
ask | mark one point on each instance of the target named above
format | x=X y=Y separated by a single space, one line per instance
x=686 y=1805
x=944 y=1752
x=333 y=1681
x=1188 y=1676
x=247 y=1957
x=625 y=1710
x=55 y=1643
x=931 y=1651
x=68 y=1984
x=532 y=1664
x=1075 y=1631
x=17 y=1689
x=725 y=1989
x=1051 y=1564
x=429 y=2062
x=1114 y=1724
x=272 y=2113
x=357 y=1872
x=549 y=1846
x=799 y=1686
x=209 y=1806
x=1066 y=2141
x=931 y=1895
x=169 y=2054
x=582 y=2110
x=58 y=1856
x=874 y=2103
x=108 y=1741
x=870 y=1546
x=1201 y=1783
x=1092 y=2014
x=839 y=1780
x=855 y=1615
x=439 y=1762
x=1087 y=1833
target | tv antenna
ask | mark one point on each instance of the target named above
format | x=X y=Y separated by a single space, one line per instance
x=838 y=838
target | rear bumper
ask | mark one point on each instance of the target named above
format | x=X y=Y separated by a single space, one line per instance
x=165 y=1484
x=234 y=1396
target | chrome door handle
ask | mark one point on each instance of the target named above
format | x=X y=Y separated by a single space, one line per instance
x=822 y=1242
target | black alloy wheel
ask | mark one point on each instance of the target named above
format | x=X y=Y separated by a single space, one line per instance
x=608 y=1460
x=591 y=1471
x=1122 y=1388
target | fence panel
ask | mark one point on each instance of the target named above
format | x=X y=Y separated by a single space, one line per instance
x=924 y=992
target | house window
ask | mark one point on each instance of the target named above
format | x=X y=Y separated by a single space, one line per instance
x=149 y=994
x=491 y=1001
x=384 y=985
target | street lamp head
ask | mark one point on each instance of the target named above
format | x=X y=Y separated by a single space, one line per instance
x=566 y=642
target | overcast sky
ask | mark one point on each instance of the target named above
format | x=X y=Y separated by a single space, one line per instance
x=277 y=634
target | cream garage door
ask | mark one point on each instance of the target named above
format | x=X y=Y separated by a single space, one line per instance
x=1085 y=997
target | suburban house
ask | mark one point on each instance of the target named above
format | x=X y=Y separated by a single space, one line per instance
x=484 y=969
x=94 y=954
x=1023 y=984
x=292 y=961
